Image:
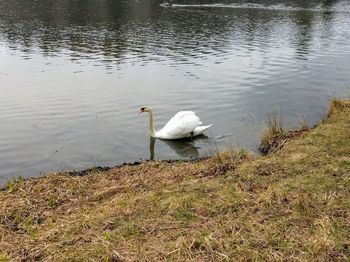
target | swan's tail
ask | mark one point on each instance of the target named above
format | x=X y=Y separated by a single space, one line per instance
x=200 y=129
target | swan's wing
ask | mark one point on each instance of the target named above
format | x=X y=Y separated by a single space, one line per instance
x=176 y=118
x=200 y=129
x=182 y=124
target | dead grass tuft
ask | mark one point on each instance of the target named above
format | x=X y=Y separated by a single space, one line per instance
x=304 y=124
x=276 y=135
x=337 y=105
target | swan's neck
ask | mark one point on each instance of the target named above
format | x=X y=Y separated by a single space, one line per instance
x=152 y=132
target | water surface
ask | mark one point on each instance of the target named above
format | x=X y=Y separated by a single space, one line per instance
x=73 y=75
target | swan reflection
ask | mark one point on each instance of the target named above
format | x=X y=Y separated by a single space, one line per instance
x=184 y=148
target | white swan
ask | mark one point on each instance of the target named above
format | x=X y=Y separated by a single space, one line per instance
x=165 y=4
x=184 y=124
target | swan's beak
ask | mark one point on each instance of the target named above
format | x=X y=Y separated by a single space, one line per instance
x=140 y=112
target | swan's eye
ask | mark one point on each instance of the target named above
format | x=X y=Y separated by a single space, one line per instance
x=142 y=109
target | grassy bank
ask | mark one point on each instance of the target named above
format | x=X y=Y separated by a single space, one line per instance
x=290 y=205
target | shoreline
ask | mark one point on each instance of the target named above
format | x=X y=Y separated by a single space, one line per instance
x=291 y=204
x=87 y=171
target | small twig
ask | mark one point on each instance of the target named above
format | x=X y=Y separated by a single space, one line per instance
x=172 y=252
x=119 y=256
x=223 y=255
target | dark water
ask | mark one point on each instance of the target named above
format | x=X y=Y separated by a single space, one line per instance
x=73 y=74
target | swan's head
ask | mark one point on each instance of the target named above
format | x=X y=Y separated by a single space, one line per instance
x=145 y=109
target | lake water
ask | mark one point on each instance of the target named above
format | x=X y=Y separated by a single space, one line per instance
x=73 y=75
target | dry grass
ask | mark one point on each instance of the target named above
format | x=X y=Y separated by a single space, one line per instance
x=337 y=105
x=304 y=124
x=291 y=205
x=277 y=135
